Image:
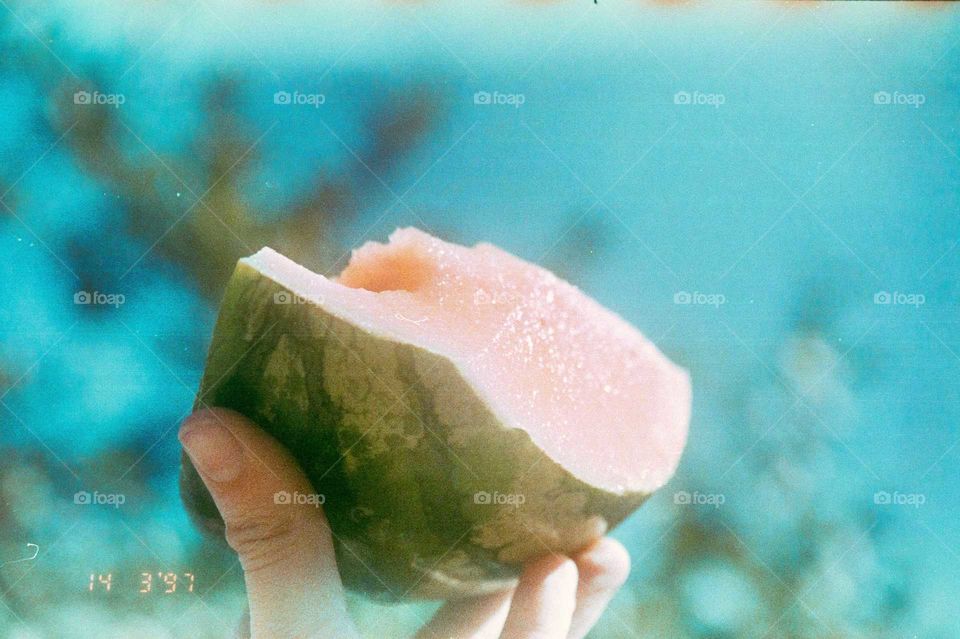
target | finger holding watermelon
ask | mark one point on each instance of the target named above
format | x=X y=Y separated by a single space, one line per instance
x=287 y=553
x=467 y=421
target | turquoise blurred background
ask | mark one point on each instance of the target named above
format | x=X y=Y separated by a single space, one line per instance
x=769 y=191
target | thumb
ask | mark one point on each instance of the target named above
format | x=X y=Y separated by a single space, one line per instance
x=284 y=544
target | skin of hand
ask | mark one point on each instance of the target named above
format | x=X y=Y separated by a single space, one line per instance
x=293 y=586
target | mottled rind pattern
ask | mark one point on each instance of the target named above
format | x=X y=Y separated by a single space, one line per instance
x=399 y=444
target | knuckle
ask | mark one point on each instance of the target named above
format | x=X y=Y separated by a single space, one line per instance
x=606 y=566
x=618 y=565
x=567 y=571
x=263 y=536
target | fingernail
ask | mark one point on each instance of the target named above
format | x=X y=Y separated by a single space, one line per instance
x=212 y=448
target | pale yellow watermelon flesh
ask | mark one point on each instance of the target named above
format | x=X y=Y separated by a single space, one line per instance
x=589 y=389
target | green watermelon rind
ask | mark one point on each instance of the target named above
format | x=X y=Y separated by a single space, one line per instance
x=399 y=491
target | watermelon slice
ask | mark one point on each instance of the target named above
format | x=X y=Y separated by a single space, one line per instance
x=461 y=410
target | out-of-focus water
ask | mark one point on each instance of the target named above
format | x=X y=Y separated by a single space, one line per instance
x=767 y=190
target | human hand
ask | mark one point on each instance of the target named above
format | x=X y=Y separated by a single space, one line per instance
x=293 y=586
